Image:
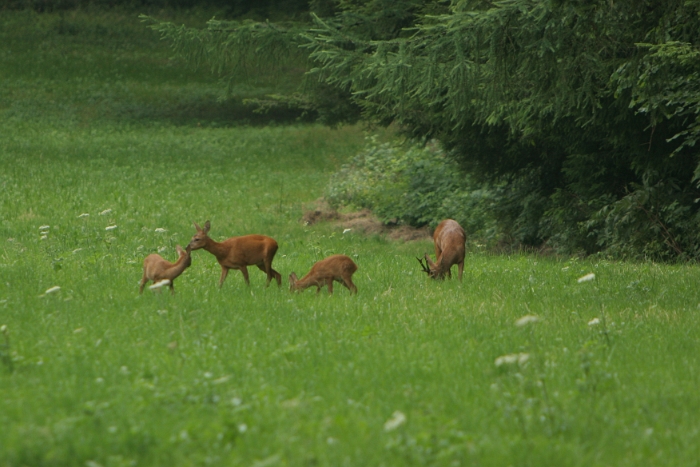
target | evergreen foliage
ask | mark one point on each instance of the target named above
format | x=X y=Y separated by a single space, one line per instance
x=587 y=110
x=584 y=114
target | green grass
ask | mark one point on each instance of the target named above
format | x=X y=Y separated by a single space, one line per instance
x=95 y=374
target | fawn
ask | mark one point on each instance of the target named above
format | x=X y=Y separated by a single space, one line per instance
x=157 y=269
x=339 y=268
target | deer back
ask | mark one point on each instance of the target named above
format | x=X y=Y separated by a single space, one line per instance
x=449 y=238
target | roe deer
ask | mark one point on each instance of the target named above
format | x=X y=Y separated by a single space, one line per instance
x=239 y=253
x=449 y=241
x=156 y=269
x=339 y=268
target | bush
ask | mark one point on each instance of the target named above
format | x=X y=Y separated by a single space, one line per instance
x=416 y=185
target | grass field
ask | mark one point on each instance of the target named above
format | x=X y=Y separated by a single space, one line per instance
x=100 y=146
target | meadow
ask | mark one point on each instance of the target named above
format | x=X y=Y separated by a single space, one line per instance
x=110 y=150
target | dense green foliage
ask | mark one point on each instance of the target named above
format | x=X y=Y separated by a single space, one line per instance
x=414 y=185
x=556 y=98
x=585 y=113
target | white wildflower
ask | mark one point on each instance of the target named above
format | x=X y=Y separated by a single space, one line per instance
x=527 y=319
x=160 y=284
x=396 y=420
x=161 y=230
x=3 y=329
x=85 y=214
x=105 y=212
x=77 y=250
x=346 y=231
x=519 y=358
x=593 y=322
x=242 y=428
x=52 y=290
x=110 y=227
x=44 y=237
x=44 y=227
x=588 y=277
x=236 y=401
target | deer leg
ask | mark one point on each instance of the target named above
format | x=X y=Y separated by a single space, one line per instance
x=329 y=283
x=172 y=288
x=278 y=277
x=349 y=284
x=224 y=273
x=264 y=268
x=143 y=282
x=244 y=270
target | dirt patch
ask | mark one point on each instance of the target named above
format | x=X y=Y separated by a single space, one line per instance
x=362 y=222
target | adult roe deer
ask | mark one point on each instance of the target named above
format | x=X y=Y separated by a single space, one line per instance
x=339 y=268
x=239 y=253
x=157 y=269
x=449 y=238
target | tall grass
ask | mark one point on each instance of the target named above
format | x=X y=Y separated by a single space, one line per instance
x=408 y=372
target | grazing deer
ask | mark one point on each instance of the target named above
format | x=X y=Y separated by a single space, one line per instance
x=239 y=253
x=339 y=268
x=449 y=241
x=156 y=269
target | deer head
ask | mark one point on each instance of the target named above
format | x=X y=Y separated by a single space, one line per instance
x=199 y=240
x=431 y=268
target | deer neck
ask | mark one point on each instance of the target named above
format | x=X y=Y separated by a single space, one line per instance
x=181 y=264
x=216 y=248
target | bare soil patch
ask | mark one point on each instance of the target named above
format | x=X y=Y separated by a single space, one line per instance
x=361 y=221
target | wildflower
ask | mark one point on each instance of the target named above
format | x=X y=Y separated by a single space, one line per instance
x=3 y=329
x=52 y=290
x=519 y=358
x=105 y=212
x=588 y=277
x=85 y=214
x=44 y=237
x=527 y=319
x=161 y=230
x=77 y=250
x=593 y=322
x=44 y=227
x=396 y=420
x=160 y=284
x=242 y=428
x=110 y=227
x=346 y=231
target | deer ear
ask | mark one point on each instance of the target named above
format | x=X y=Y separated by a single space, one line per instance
x=207 y=226
x=179 y=249
x=196 y=226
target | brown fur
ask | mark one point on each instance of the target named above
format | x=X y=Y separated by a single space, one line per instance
x=239 y=253
x=156 y=269
x=339 y=268
x=450 y=239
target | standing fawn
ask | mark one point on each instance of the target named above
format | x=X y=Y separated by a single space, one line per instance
x=239 y=253
x=156 y=269
x=449 y=241
x=337 y=268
